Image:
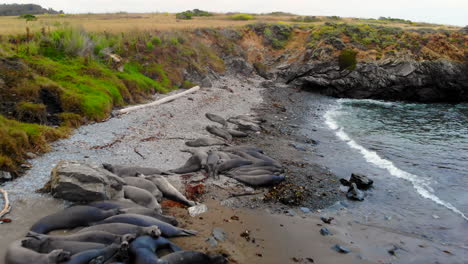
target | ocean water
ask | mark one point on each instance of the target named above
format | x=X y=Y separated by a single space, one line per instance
x=423 y=144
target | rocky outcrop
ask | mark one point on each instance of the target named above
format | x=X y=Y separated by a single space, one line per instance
x=426 y=81
x=84 y=182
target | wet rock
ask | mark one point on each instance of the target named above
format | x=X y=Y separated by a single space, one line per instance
x=84 y=182
x=305 y=210
x=354 y=193
x=197 y=210
x=341 y=249
x=5 y=176
x=326 y=220
x=219 y=234
x=362 y=181
x=325 y=232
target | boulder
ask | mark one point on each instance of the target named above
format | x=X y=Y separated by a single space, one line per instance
x=84 y=182
x=361 y=181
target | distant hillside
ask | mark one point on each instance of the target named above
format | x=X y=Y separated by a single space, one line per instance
x=21 y=9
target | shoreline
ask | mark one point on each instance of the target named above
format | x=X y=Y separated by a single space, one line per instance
x=277 y=228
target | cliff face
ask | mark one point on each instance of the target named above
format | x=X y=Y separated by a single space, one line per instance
x=426 y=81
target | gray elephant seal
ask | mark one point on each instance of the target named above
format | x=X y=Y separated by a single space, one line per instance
x=201 y=154
x=169 y=191
x=130 y=171
x=217 y=119
x=259 y=180
x=152 y=213
x=114 y=204
x=193 y=257
x=167 y=230
x=17 y=254
x=237 y=133
x=144 y=184
x=194 y=163
x=101 y=237
x=211 y=162
x=141 y=197
x=143 y=248
x=99 y=255
x=205 y=142
x=46 y=245
x=233 y=163
x=222 y=133
x=72 y=217
x=123 y=229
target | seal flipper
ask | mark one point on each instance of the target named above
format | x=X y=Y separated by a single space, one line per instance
x=186 y=232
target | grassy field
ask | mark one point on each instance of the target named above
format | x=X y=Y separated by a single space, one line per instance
x=116 y=23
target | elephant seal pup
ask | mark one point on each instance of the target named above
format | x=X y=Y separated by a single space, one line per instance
x=17 y=254
x=46 y=245
x=237 y=133
x=130 y=171
x=258 y=180
x=122 y=229
x=141 y=197
x=193 y=164
x=222 y=133
x=217 y=119
x=233 y=163
x=152 y=213
x=101 y=237
x=72 y=217
x=205 y=142
x=114 y=204
x=167 y=230
x=169 y=191
x=142 y=183
x=193 y=257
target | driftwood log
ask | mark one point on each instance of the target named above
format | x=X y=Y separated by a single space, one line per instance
x=6 y=205
x=158 y=102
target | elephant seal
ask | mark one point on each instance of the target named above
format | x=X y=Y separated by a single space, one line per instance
x=222 y=133
x=123 y=229
x=143 y=249
x=193 y=164
x=167 y=230
x=141 y=197
x=130 y=171
x=101 y=237
x=114 y=204
x=72 y=217
x=237 y=133
x=233 y=163
x=193 y=257
x=247 y=156
x=242 y=148
x=217 y=119
x=142 y=183
x=263 y=157
x=202 y=155
x=205 y=142
x=152 y=213
x=46 y=245
x=169 y=191
x=258 y=180
x=98 y=255
x=211 y=162
x=17 y=254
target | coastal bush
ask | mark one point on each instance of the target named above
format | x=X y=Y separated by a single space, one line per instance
x=306 y=19
x=347 y=59
x=241 y=17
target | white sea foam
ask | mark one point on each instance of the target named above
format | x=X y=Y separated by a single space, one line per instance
x=370 y=101
x=420 y=184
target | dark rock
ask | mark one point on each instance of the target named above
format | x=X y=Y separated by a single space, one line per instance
x=362 y=181
x=84 y=182
x=325 y=232
x=5 y=176
x=326 y=220
x=424 y=81
x=341 y=249
x=354 y=193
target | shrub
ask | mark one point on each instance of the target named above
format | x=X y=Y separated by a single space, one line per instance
x=347 y=59
x=156 y=40
x=28 y=17
x=184 y=15
x=241 y=17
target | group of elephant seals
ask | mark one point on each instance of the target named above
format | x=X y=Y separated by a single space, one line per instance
x=17 y=254
x=143 y=249
x=97 y=236
x=141 y=197
x=220 y=132
x=72 y=217
x=169 y=191
x=124 y=229
x=142 y=183
x=96 y=256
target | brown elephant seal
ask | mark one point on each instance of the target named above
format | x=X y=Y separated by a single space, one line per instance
x=259 y=180
x=144 y=184
x=217 y=119
x=169 y=191
x=124 y=229
x=205 y=142
x=130 y=171
x=222 y=133
x=17 y=254
x=152 y=213
x=101 y=237
x=141 y=197
x=193 y=257
x=167 y=230
x=72 y=217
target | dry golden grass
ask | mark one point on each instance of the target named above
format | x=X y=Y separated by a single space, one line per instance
x=116 y=23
